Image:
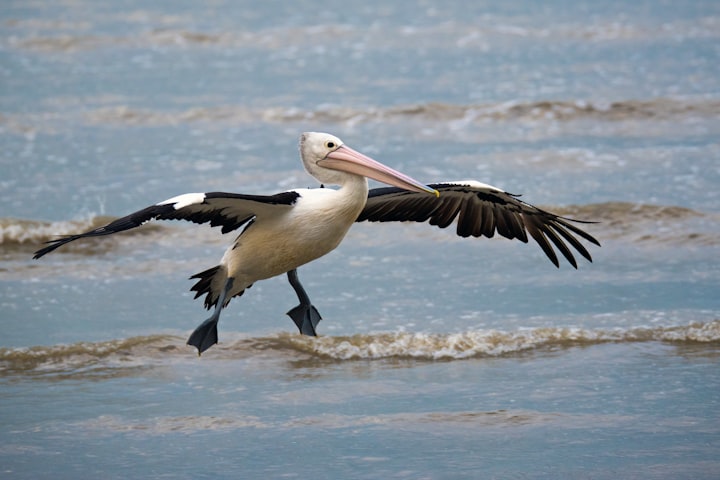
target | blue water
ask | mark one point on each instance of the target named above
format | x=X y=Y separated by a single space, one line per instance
x=438 y=357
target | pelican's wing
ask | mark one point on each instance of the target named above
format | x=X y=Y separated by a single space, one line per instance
x=227 y=210
x=481 y=210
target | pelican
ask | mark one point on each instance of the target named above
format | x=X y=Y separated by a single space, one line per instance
x=284 y=231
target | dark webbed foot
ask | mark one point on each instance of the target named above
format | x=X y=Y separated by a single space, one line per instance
x=306 y=317
x=204 y=336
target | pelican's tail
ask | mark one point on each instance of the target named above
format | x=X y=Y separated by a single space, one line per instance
x=211 y=283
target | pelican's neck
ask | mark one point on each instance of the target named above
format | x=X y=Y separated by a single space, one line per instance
x=354 y=192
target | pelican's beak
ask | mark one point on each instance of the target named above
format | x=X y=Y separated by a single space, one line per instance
x=348 y=160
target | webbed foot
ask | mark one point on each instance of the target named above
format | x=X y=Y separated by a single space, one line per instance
x=205 y=335
x=306 y=317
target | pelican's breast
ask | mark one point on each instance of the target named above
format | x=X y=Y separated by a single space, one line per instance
x=316 y=225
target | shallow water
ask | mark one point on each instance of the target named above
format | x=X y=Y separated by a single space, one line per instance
x=480 y=360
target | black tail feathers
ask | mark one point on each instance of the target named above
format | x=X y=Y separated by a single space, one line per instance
x=204 y=286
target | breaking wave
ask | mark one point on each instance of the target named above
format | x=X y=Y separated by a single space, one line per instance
x=22 y=232
x=489 y=343
x=529 y=111
x=513 y=110
x=455 y=420
x=645 y=223
x=64 y=37
x=80 y=356
x=143 y=352
x=617 y=219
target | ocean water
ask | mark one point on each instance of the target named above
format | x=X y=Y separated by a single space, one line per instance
x=438 y=357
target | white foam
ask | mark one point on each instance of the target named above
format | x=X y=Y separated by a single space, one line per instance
x=432 y=346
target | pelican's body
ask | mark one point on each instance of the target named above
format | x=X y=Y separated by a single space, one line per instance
x=284 y=231
x=313 y=227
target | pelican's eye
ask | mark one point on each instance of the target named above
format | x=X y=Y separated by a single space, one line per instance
x=330 y=144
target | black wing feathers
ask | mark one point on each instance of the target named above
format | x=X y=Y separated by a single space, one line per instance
x=227 y=210
x=121 y=224
x=480 y=211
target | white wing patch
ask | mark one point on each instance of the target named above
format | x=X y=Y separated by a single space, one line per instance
x=184 y=200
x=476 y=184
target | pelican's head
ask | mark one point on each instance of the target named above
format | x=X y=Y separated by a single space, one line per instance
x=329 y=160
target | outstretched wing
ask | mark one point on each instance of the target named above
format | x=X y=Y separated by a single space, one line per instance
x=481 y=210
x=227 y=210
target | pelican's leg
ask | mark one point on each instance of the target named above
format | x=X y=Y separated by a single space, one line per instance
x=305 y=316
x=205 y=335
